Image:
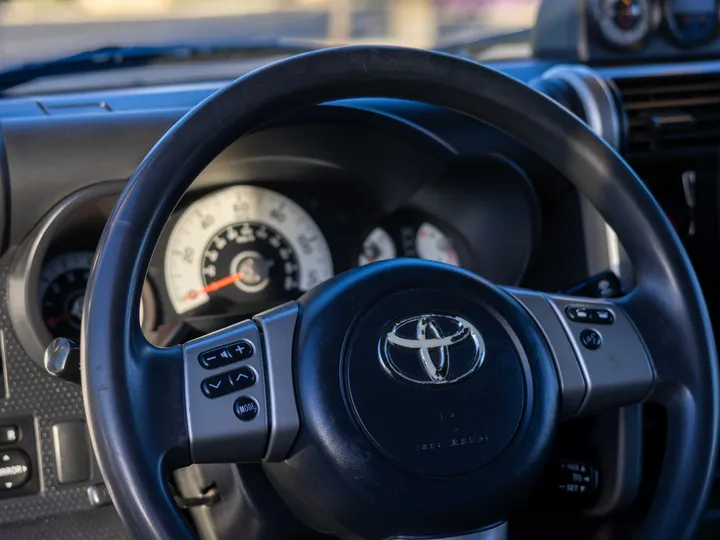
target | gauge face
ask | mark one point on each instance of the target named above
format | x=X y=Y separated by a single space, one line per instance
x=61 y=289
x=692 y=22
x=378 y=246
x=244 y=244
x=432 y=244
x=62 y=285
x=624 y=23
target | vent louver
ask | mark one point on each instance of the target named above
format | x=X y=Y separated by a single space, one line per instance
x=673 y=111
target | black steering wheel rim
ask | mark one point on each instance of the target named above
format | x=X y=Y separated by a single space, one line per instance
x=667 y=301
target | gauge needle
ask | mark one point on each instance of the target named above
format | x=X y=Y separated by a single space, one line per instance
x=215 y=285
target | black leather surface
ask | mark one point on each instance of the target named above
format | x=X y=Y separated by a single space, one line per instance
x=668 y=304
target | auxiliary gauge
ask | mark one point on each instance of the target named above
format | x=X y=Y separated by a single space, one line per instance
x=625 y=24
x=691 y=22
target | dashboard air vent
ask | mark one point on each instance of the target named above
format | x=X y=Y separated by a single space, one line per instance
x=673 y=111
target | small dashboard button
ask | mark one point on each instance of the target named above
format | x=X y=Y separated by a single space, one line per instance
x=588 y=315
x=246 y=408
x=9 y=434
x=242 y=350
x=578 y=314
x=601 y=316
x=215 y=358
x=228 y=381
x=240 y=378
x=14 y=469
x=228 y=354
x=591 y=339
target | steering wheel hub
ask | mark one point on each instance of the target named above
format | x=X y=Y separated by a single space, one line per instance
x=440 y=390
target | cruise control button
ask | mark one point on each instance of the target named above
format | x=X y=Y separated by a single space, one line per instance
x=14 y=469
x=591 y=339
x=246 y=408
x=216 y=358
x=242 y=350
x=9 y=434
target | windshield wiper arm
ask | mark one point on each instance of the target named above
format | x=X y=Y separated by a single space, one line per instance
x=483 y=43
x=107 y=58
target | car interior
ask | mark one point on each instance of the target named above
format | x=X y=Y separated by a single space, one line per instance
x=291 y=289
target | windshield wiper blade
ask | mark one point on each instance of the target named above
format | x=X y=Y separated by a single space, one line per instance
x=108 y=58
x=483 y=43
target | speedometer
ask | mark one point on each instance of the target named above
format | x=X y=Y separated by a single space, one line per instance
x=244 y=244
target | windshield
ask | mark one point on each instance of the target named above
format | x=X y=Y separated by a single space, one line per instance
x=34 y=30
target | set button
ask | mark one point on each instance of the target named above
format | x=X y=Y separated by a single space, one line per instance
x=230 y=381
x=589 y=315
x=228 y=354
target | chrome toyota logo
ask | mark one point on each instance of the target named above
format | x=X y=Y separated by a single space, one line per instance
x=432 y=349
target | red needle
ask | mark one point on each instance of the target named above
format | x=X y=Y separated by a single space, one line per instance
x=215 y=285
x=55 y=320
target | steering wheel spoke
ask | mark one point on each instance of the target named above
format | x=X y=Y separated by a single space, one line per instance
x=239 y=393
x=601 y=359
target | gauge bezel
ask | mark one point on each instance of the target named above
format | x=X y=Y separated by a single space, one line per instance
x=23 y=294
x=24 y=302
x=671 y=27
x=654 y=22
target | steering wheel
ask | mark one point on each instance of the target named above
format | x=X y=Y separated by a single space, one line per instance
x=406 y=398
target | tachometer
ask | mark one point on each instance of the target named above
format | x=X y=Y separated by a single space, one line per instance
x=61 y=288
x=62 y=284
x=244 y=244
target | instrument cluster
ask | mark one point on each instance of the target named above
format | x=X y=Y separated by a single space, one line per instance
x=631 y=24
x=241 y=249
x=230 y=252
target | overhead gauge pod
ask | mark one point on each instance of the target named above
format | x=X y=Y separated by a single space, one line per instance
x=691 y=22
x=625 y=24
